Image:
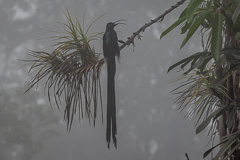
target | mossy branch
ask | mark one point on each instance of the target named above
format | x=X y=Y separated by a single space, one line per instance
x=143 y=28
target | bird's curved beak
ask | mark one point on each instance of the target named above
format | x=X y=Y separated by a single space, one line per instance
x=120 y=22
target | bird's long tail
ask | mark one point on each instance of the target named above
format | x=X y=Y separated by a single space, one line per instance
x=111 y=104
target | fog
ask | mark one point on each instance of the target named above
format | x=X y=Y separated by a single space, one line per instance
x=149 y=127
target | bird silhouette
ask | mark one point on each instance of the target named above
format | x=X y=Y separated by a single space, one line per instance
x=110 y=50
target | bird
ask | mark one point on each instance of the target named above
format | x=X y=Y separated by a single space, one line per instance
x=110 y=50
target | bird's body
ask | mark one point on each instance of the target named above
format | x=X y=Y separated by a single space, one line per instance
x=110 y=50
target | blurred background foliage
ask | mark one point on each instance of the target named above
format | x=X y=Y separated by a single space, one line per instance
x=22 y=128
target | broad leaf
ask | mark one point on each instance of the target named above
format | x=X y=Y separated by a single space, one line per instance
x=205 y=57
x=174 y=25
x=198 y=60
x=199 y=19
x=236 y=13
x=211 y=149
x=192 y=7
x=226 y=146
x=185 y=61
x=181 y=19
x=216 y=41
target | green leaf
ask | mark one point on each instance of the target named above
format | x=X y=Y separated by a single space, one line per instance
x=218 y=82
x=205 y=56
x=187 y=26
x=226 y=146
x=188 y=59
x=210 y=19
x=199 y=19
x=210 y=4
x=206 y=24
x=192 y=7
x=183 y=14
x=213 y=116
x=216 y=41
x=236 y=13
x=199 y=60
x=192 y=64
x=202 y=62
x=181 y=19
x=203 y=66
x=185 y=61
x=211 y=149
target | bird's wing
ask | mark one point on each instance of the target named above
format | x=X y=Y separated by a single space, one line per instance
x=114 y=40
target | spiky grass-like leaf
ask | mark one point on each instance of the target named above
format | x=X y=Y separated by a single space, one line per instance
x=71 y=72
x=195 y=95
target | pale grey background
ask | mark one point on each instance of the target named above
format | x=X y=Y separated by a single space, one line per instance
x=148 y=126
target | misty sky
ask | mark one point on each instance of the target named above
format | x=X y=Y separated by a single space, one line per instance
x=148 y=126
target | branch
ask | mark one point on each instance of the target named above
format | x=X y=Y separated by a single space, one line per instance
x=187 y=156
x=142 y=29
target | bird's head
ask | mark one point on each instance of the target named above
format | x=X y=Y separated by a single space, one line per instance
x=110 y=26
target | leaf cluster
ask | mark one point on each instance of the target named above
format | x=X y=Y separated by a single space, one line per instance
x=71 y=71
x=203 y=85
